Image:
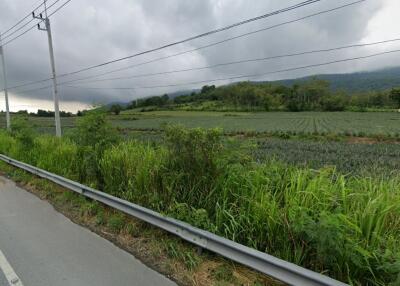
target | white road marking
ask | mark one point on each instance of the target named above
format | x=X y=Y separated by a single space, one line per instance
x=11 y=276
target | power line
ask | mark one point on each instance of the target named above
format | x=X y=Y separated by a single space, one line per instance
x=227 y=39
x=59 y=8
x=196 y=49
x=35 y=25
x=34 y=89
x=237 y=62
x=302 y=4
x=23 y=19
x=245 y=76
x=30 y=21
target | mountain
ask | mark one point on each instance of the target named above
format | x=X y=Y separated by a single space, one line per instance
x=360 y=81
x=352 y=82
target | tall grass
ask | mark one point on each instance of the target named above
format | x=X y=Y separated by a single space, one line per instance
x=345 y=227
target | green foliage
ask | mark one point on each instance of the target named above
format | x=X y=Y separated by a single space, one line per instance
x=116 y=109
x=44 y=113
x=56 y=155
x=345 y=226
x=175 y=250
x=356 y=159
x=132 y=171
x=194 y=162
x=101 y=218
x=223 y=273
x=9 y=145
x=89 y=209
x=151 y=101
x=313 y=94
x=93 y=135
x=296 y=124
x=94 y=129
x=116 y=222
x=194 y=151
x=23 y=130
x=395 y=96
x=337 y=102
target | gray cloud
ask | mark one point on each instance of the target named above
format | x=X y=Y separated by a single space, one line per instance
x=88 y=32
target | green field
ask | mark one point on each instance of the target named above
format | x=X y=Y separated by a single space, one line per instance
x=348 y=158
x=340 y=123
x=347 y=123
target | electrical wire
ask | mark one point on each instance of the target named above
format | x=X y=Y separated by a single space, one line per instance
x=236 y=62
x=35 y=25
x=23 y=19
x=225 y=40
x=245 y=76
x=32 y=20
x=302 y=4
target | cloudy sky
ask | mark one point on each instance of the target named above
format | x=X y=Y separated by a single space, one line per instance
x=90 y=32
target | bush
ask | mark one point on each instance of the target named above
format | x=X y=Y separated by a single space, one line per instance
x=334 y=103
x=194 y=164
x=22 y=130
x=93 y=135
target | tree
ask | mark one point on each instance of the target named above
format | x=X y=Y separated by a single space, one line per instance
x=116 y=109
x=395 y=96
x=334 y=102
x=207 y=89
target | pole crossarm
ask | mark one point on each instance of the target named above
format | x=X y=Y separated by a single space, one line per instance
x=47 y=28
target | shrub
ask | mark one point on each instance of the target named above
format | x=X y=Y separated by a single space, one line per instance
x=194 y=162
x=93 y=135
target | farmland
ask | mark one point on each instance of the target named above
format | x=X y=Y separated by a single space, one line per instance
x=299 y=186
x=348 y=158
x=335 y=123
x=334 y=142
x=351 y=123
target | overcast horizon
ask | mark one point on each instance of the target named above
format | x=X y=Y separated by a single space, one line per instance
x=89 y=32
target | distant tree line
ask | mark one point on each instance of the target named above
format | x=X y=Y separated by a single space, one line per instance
x=312 y=95
x=158 y=101
x=44 y=113
x=48 y=113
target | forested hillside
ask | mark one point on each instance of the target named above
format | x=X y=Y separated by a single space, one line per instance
x=353 y=82
x=307 y=95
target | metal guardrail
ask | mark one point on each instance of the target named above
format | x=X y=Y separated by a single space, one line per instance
x=279 y=269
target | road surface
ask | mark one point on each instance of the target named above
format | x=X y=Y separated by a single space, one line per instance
x=41 y=247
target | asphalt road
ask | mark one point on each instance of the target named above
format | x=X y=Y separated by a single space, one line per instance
x=3 y=279
x=41 y=247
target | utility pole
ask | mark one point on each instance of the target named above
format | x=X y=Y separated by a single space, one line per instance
x=53 y=66
x=5 y=85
